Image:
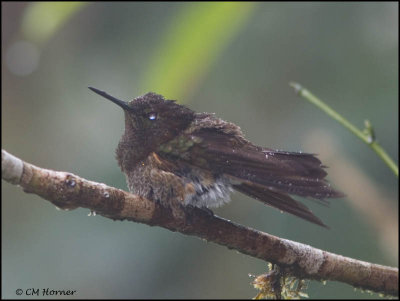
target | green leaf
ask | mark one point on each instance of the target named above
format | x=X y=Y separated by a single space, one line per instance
x=41 y=20
x=195 y=38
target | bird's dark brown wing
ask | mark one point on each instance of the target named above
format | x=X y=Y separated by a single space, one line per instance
x=265 y=174
x=289 y=172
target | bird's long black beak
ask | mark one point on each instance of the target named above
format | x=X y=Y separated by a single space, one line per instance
x=118 y=102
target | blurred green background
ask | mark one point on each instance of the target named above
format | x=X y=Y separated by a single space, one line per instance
x=234 y=59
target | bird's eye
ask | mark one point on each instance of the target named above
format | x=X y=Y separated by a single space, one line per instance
x=152 y=116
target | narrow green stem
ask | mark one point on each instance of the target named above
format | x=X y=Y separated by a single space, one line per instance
x=385 y=157
x=367 y=135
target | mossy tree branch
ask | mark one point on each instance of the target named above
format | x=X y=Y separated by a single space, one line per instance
x=67 y=190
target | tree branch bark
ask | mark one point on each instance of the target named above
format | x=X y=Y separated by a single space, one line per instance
x=69 y=191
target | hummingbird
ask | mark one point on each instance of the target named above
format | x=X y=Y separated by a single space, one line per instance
x=177 y=157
